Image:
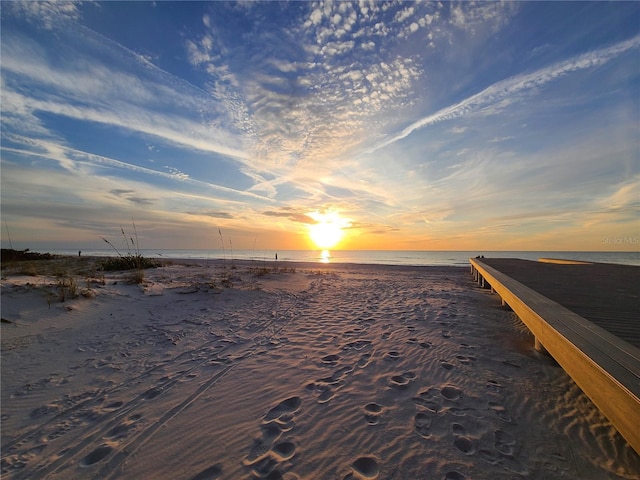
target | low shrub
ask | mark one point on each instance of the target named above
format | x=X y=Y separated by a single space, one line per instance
x=129 y=262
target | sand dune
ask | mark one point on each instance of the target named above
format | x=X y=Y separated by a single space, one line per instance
x=325 y=372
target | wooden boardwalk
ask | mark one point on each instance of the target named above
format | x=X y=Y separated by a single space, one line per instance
x=585 y=315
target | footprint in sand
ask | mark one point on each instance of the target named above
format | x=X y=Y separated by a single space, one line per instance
x=364 y=360
x=326 y=387
x=488 y=456
x=435 y=407
x=465 y=412
x=392 y=355
x=262 y=446
x=44 y=410
x=504 y=442
x=96 y=456
x=458 y=429
x=290 y=405
x=426 y=344
x=119 y=431
x=465 y=445
x=451 y=393
x=266 y=468
x=446 y=366
x=494 y=386
x=422 y=424
x=326 y=395
x=265 y=454
x=454 y=475
x=284 y=451
x=364 y=468
x=372 y=412
x=500 y=411
x=357 y=345
x=113 y=406
x=402 y=381
x=211 y=473
x=466 y=359
x=152 y=393
x=330 y=359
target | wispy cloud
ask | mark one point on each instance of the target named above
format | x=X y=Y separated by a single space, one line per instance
x=318 y=104
x=492 y=99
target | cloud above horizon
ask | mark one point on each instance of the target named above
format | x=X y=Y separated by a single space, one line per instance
x=429 y=125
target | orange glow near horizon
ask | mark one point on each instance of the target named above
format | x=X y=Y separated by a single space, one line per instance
x=328 y=230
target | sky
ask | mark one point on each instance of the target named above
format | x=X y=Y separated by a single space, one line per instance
x=415 y=126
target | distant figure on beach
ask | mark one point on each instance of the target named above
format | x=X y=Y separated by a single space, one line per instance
x=276 y=256
x=79 y=252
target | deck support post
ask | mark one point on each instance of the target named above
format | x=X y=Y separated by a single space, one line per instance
x=539 y=347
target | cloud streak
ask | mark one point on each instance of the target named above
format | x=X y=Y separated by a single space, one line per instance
x=493 y=98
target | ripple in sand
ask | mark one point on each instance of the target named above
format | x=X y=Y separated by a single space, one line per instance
x=357 y=345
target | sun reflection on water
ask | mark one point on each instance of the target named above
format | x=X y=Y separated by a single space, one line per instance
x=325 y=256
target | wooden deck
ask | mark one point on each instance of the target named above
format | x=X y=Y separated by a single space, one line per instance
x=587 y=317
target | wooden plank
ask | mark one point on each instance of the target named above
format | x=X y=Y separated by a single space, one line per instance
x=606 y=368
x=604 y=294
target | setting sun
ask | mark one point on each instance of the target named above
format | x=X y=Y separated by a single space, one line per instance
x=328 y=229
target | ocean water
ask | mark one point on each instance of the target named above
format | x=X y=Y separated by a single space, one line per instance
x=379 y=257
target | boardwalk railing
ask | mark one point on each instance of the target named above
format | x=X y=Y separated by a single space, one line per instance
x=606 y=368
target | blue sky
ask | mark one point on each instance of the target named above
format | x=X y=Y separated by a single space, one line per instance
x=422 y=125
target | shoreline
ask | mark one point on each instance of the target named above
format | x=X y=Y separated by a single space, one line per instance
x=373 y=257
x=308 y=371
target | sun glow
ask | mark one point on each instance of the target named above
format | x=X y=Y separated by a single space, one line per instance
x=328 y=230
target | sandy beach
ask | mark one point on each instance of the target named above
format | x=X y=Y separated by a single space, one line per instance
x=286 y=371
